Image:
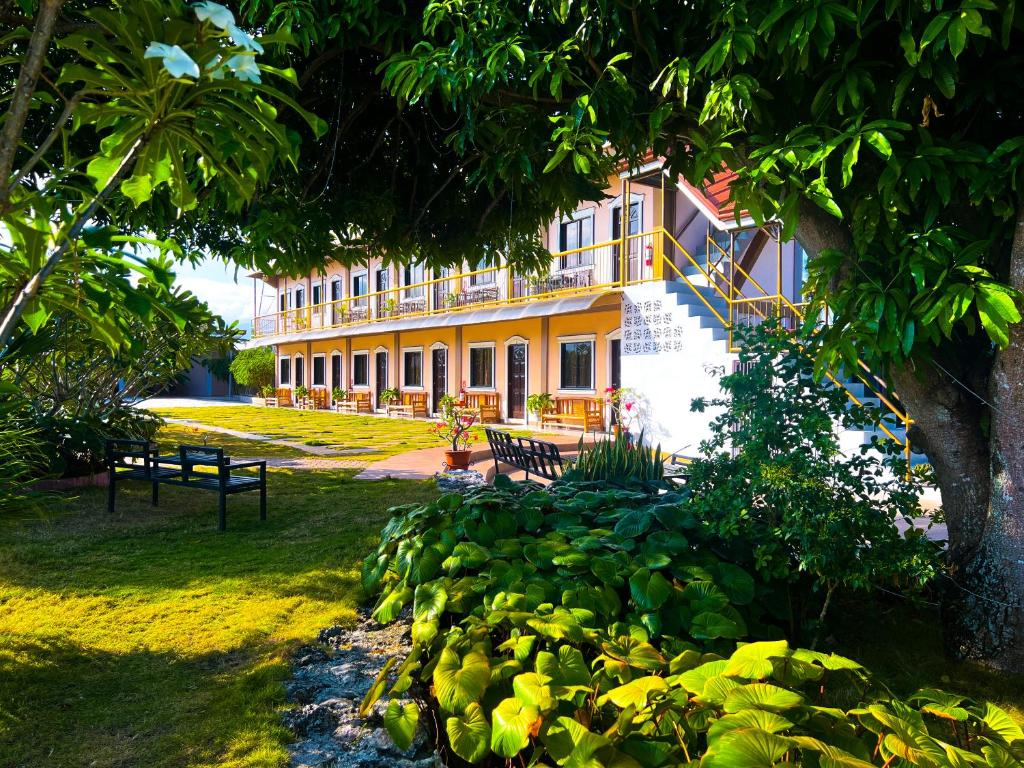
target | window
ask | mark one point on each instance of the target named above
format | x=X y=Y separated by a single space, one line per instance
x=486 y=278
x=283 y=301
x=481 y=367
x=335 y=289
x=299 y=381
x=412 y=274
x=361 y=369
x=319 y=371
x=578 y=233
x=577 y=359
x=360 y=284
x=285 y=375
x=336 y=371
x=317 y=294
x=300 y=298
x=412 y=367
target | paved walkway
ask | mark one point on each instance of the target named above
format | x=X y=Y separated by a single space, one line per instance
x=315 y=450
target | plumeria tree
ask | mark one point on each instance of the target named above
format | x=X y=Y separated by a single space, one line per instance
x=113 y=108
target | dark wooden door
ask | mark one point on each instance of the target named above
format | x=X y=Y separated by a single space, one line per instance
x=439 y=377
x=616 y=373
x=516 y=381
x=382 y=375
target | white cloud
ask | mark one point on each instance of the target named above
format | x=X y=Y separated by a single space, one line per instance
x=215 y=283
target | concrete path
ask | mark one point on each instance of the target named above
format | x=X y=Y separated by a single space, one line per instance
x=189 y=402
x=315 y=450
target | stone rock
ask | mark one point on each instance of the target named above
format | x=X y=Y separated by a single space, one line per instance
x=328 y=685
x=458 y=480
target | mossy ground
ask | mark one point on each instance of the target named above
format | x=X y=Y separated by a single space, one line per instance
x=148 y=639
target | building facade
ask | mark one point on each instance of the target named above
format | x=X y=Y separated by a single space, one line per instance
x=642 y=299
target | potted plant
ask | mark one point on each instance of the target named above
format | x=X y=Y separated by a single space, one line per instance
x=451 y=299
x=455 y=428
x=390 y=395
x=538 y=404
x=389 y=306
x=300 y=393
x=339 y=395
x=265 y=392
x=624 y=410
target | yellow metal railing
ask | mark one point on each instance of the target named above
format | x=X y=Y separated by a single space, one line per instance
x=744 y=310
x=589 y=269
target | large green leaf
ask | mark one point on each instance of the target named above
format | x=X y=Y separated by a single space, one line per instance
x=400 y=723
x=469 y=734
x=649 y=590
x=762 y=696
x=568 y=668
x=534 y=690
x=458 y=682
x=746 y=748
x=512 y=725
x=633 y=524
x=430 y=601
x=997 y=721
x=634 y=693
x=391 y=604
x=710 y=625
x=754 y=660
x=572 y=745
x=748 y=718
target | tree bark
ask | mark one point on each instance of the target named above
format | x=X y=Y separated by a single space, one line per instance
x=977 y=452
x=17 y=112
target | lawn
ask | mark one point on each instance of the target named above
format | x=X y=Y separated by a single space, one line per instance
x=368 y=438
x=147 y=638
x=172 y=435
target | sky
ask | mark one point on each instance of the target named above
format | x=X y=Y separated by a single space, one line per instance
x=227 y=295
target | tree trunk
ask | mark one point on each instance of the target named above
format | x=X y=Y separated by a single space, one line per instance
x=977 y=452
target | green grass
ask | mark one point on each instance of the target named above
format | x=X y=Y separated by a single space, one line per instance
x=148 y=639
x=172 y=435
x=378 y=437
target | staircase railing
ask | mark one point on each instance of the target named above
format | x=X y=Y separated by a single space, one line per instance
x=753 y=310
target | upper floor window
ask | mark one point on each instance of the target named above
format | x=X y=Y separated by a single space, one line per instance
x=335 y=289
x=360 y=284
x=300 y=297
x=414 y=275
x=575 y=234
x=317 y=294
x=481 y=278
x=282 y=301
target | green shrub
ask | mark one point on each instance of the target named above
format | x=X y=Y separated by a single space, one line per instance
x=622 y=462
x=584 y=626
x=773 y=483
x=254 y=368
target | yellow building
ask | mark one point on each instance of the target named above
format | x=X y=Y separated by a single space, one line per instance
x=644 y=306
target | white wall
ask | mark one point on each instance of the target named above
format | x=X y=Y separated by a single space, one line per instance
x=668 y=359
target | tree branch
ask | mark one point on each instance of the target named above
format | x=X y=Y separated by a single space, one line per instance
x=69 y=109
x=17 y=112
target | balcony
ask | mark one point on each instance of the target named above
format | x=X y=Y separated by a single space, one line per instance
x=593 y=269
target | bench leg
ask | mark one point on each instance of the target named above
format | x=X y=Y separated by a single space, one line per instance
x=222 y=511
x=263 y=493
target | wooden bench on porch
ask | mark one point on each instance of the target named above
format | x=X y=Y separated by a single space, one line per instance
x=417 y=401
x=357 y=402
x=487 y=405
x=586 y=413
x=282 y=398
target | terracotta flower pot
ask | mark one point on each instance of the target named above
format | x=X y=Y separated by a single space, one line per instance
x=457 y=459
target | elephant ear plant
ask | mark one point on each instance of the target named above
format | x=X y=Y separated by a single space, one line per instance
x=589 y=626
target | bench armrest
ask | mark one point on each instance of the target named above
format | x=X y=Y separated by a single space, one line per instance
x=248 y=464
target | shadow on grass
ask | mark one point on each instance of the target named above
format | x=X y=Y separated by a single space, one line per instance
x=135 y=708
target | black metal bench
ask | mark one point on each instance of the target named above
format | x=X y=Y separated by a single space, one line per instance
x=538 y=457
x=123 y=463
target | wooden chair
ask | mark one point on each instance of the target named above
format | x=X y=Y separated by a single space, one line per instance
x=282 y=398
x=586 y=413
x=418 y=401
x=362 y=401
x=319 y=398
x=488 y=405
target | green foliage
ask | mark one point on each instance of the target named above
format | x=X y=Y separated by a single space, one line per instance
x=339 y=394
x=254 y=368
x=588 y=626
x=622 y=462
x=390 y=395
x=539 y=403
x=772 y=480
x=23 y=461
x=301 y=392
